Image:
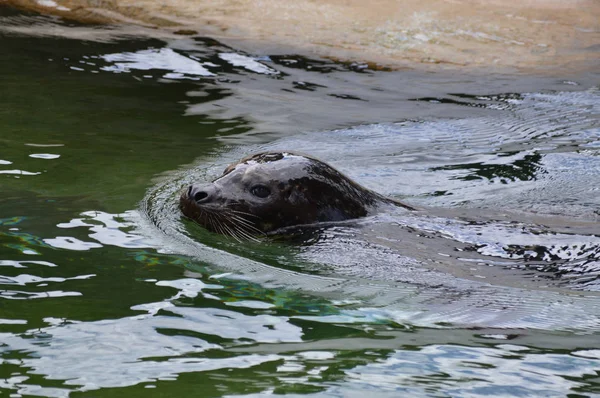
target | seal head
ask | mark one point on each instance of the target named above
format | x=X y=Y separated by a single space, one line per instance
x=269 y=191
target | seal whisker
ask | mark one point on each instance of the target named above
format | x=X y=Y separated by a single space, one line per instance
x=246 y=223
x=244 y=213
x=252 y=233
x=243 y=227
x=247 y=235
x=224 y=225
x=246 y=226
x=232 y=232
x=211 y=222
x=217 y=224
x=221 y=229
x=210 y=217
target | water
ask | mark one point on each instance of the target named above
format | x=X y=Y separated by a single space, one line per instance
x=490 y=289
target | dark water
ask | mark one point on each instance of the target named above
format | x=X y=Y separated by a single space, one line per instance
x=490 y=289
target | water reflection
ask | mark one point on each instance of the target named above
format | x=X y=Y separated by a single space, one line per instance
x=179 y=66
x=119 y=353
x=107 y=229
x=18 y=173
x=47 y=156
x=519 y=166
x=475 y=372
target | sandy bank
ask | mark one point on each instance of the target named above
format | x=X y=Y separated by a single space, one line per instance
x=540 y=35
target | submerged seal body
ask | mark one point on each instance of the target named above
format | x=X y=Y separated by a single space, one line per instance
x=269 y=191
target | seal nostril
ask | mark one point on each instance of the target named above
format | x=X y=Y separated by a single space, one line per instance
x=200 y=196
x=189 y=191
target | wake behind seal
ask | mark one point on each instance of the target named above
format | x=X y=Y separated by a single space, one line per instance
x=269 y=191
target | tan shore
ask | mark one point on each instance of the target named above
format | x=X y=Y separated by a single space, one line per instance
x=525 y=35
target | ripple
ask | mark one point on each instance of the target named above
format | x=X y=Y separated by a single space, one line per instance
x=248 y=63
x=13 y=322
x=473 y=372
x=180 y=66
x=106 y=229
x=23 y=264
x=407 y=294
x=47 y=156
x=25 y=279
x=70 y=243
x=187 y=287
x=426 y=270
x=45 y=145
x=91 y=355
x=20 y=172
x=24 y=295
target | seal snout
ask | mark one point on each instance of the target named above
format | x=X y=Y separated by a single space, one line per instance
x=200 y=194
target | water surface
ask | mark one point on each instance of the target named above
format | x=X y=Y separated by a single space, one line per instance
x=489 y=290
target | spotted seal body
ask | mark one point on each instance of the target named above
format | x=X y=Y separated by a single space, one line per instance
x=269 y=191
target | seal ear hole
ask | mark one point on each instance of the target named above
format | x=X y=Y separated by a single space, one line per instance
x=261 y=191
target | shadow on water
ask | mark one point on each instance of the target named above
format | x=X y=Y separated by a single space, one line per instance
x=487 y=290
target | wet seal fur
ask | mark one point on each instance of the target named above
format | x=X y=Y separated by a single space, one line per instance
x=271 y=191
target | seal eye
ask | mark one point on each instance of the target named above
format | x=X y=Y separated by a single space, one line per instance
x=260 y=190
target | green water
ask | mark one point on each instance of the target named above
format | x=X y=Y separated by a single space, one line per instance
x=94 y=302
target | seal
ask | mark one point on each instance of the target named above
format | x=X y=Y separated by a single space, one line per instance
x=270 y=191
